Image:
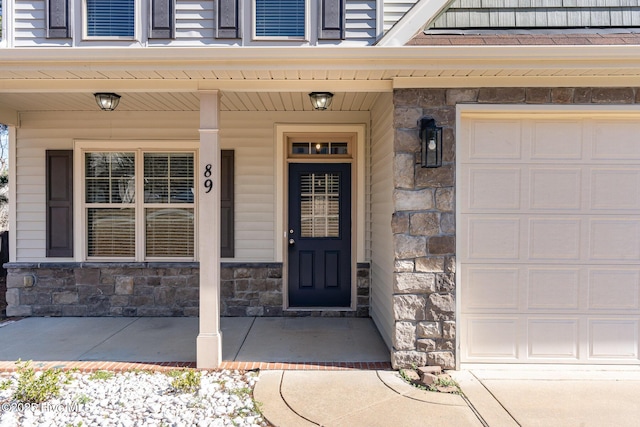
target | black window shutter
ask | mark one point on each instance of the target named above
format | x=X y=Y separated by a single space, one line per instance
x=226 y=204
x=58 y=19
x=228 y=27
x=59 y=175
x=162 y=19
x=332 y=20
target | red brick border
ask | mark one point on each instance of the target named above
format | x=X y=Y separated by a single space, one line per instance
x=92 y=366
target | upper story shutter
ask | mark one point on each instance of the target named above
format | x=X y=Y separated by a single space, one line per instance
x=228 y=27
x=162 y=19
x=58 y=19
x=332 y=20
x=59 y=186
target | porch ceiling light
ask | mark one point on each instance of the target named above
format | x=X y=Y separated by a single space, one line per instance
x=107 y=101
x=430 y=143
x=321 y=100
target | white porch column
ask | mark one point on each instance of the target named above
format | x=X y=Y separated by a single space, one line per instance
x=209 y=343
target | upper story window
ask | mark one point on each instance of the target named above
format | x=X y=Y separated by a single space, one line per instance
x=110 y=18
x=280 y=19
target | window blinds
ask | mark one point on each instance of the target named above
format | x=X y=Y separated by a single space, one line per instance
x=280 y=18
x=110 y=18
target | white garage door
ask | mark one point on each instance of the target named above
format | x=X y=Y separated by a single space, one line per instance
x=549 y=238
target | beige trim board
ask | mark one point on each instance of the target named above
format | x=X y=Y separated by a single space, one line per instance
x=465 y=81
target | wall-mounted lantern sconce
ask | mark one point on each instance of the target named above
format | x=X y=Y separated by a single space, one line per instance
x=431 y=143
x=107 y=101
x=321 y=100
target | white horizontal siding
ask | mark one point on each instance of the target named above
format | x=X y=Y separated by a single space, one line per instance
x=255 y=181
x=360 y=18
x=195 y=25
x=394 y=10
x=381 y=190
x=29 y=22
x=56 y=131
x=194 y=21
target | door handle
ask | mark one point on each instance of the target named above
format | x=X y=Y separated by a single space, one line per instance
x=292 y=242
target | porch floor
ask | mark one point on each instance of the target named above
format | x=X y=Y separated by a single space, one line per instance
x=173 y=339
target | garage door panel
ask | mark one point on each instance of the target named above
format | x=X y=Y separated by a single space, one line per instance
x=616 y=140
x=492 y=338
x=613 y=339
x=614 y=289
x=614 y=239
x=554 y=238
x=553 y=338
x=493 y=188
x=491 y=288
x=495 y=238
x=615 y=189
x=553 y=289
x=557 y=188
x=495 y=140
x=560 y=140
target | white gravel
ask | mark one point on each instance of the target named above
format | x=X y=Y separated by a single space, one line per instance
x=138 y=399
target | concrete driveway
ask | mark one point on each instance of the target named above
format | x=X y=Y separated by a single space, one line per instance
x=544 y=397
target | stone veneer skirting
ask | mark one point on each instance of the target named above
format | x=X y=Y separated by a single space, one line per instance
x=423 y=222
x=154 y=289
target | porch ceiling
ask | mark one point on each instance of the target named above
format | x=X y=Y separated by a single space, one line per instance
x=183 y=101
x=278 y=79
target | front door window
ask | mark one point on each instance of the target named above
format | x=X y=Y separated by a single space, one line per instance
x=320 y=205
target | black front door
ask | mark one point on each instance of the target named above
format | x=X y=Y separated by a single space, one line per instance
x=319 y=235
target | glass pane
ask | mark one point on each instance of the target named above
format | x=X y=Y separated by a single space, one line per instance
x=107 y=18
x=319 y=205
x=111 y=232
x=156 y=190
x=320 y=148
x=169 y=232
x=182 y=191
x=169 y=177
x=277 y=18
x=156 y=165
x=181 y=165
x=339 y=148
x=300 y=148
x=110 y=177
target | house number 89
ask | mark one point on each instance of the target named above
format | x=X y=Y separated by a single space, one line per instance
x=208 y=183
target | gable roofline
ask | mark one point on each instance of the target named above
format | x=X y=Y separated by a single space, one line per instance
x=414 y=21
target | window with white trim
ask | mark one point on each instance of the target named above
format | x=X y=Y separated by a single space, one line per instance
x=109 y=19
x=280 y=19
x=120 y=224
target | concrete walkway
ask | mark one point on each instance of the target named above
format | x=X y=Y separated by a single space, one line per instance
x=495 y=398
x=356 y=399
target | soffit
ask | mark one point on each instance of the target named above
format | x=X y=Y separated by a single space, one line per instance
x=184 y=101
x=253 y=79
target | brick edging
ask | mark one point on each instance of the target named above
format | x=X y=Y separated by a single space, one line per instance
x=92 y=366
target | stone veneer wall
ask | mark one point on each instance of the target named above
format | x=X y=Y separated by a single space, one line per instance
x=153 y=289
x=424 y=220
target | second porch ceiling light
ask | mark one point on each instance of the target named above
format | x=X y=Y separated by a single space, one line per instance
x=321 y=100
x=107 y=101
